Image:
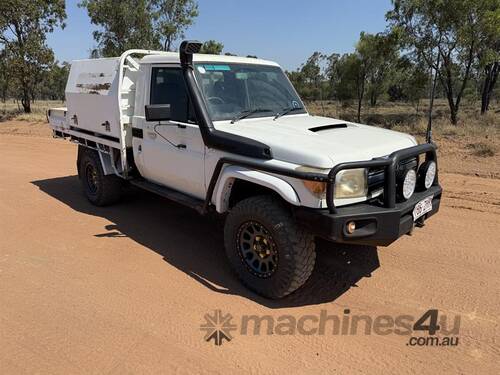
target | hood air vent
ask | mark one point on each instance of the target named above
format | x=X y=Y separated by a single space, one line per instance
x=326 y=127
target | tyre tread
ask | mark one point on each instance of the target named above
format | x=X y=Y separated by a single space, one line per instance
x=301 y=241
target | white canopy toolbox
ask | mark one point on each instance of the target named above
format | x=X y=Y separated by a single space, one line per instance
x=92 y=96
x=100 y=98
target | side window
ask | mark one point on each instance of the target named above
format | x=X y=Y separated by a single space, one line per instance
x=168 y=87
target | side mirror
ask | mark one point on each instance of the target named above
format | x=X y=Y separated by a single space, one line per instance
x=157 y=112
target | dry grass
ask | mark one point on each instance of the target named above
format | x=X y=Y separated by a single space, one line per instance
x=405 y=116
x=11 y=110
x=472 y=127
x=482 y=149
x=471 y=147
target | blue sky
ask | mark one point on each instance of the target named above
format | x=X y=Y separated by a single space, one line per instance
x=284 y=31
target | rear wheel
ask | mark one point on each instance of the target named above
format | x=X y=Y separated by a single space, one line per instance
x=100 y=189
x=270 y=253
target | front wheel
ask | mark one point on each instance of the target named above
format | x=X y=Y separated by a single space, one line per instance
x=270 y=253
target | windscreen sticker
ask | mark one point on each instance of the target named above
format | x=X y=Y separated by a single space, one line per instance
x=241 y=75
x=218 y=67
x=202 y=70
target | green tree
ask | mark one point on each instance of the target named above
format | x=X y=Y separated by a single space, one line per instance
x=312 y=77
x=332 y=74
x=172 y=18
x=23 y=26
x=380 y=51
x=366 y=70
x=353 y=73
x=297 y=79
x=143 y=24
x=489 y=50
x=122 y=25
x=408 y=82
x=212 y=47
x=53 y=82
x=445 y=34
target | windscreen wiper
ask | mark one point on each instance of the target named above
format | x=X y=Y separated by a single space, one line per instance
x=249 y=112
x=286 y=111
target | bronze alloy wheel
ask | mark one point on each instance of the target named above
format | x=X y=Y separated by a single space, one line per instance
x=257 y=249
x=92 y=178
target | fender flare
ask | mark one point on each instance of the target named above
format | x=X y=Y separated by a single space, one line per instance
x=233 y=172
x=106 y=159
x=106 y=163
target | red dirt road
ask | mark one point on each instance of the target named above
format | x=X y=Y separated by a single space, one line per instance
x=124 y=289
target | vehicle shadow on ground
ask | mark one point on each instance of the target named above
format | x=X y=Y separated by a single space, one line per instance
x=194 y=244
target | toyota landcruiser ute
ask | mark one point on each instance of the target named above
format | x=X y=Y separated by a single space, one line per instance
x=230 y=135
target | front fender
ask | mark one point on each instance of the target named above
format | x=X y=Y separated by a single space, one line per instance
x=232 y=173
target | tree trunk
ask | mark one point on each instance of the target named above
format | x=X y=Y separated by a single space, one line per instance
x=448 y=88
x=485 y=97
x=361 y=92
x=454 y=115
x=360 y=99
x=26 y=102
x=490 y=79
x=167 y=45
x=453 y=107
x=428 y=136
x=373 y=99
x=447 y=82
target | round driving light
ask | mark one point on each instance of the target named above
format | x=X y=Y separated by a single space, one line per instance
x=430 y=174
x=351 y=227
x=409 y=183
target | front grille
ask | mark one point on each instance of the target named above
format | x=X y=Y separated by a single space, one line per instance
x=404 y=165
x=376 y=176
x=375 y=179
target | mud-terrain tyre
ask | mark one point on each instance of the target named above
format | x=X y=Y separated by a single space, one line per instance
x=100 y=190
x=269 y=252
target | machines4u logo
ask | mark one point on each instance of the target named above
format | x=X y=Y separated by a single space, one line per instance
x=218 y=327
x=430 y=329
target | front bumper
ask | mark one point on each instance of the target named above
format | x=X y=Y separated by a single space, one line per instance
x=375 y=225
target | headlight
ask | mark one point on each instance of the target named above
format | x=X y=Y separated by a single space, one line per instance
x=409 y=183
x=351 y=183
x=427 y=174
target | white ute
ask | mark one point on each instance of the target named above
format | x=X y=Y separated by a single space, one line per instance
x=230 y=135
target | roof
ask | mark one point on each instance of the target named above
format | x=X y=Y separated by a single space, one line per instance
x=173 y=57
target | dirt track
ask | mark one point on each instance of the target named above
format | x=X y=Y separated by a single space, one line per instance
x=124 y=289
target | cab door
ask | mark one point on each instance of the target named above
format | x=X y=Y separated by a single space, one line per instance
x=173 y=152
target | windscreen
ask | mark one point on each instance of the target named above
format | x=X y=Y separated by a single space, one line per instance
x=233 y=90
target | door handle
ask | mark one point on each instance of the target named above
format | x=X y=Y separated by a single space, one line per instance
x=106 y=126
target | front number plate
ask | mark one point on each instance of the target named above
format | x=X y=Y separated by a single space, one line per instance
x=422 y=207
